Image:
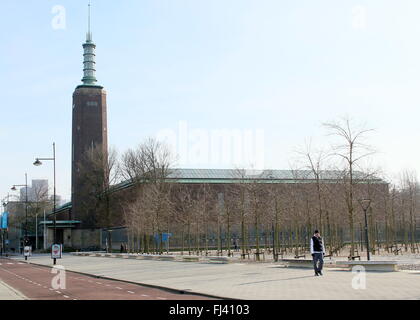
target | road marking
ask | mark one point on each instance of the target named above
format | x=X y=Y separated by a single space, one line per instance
x=130 y=291
x=9 y=263
x=160 y=298
x=58 y=292
x=118 y=288
x=99 y=282
x=66 y=297
x=144 y=295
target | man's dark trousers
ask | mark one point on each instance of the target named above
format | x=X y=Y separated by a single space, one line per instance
x=318 y=261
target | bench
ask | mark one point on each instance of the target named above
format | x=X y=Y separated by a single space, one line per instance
x=166 y=258
x=384 y=266
x=146 y=256
x=298 y=263
x=190 y=259
x=335 y=251
x=218 y=259
x=258 y=254
x=244 y=254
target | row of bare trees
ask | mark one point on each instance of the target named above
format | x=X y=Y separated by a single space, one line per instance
x=250 y=213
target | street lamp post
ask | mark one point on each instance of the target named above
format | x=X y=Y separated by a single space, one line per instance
x=39 y=163
x=25 y=240
x=365 y=203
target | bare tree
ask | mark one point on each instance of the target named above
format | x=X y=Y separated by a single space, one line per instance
x=351 y=150
x=409 y=199
x=149 y=167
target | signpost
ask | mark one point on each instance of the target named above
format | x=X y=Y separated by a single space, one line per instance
x=3 y=230
x=4 y=220
x=56 y=251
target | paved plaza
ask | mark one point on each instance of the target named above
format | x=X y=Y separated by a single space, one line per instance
x=246 y=280
x=8 y=293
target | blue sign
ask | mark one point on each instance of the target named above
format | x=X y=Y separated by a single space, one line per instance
x=5 y=220
x=165 y=237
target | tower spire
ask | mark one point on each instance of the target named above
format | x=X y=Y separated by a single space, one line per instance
x=89 y=33
x=89 y=64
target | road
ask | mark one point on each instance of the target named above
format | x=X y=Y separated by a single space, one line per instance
x=36 y=282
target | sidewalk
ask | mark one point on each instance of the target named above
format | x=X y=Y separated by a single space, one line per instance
x=8 y=293
x=267 y=281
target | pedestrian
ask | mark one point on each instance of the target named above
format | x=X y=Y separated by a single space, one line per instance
x=318 y=252
x=122 y=248
x=235 y=244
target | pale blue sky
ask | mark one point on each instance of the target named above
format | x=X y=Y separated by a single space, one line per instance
x=283 y=67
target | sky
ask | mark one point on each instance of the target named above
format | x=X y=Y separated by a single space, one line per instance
x=266 y=72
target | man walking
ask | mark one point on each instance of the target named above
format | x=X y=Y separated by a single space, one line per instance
x=318 y=252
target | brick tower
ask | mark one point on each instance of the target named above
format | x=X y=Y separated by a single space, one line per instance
x=89 y=123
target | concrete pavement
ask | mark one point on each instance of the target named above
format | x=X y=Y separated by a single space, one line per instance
x=9 y=293
x=246 y=280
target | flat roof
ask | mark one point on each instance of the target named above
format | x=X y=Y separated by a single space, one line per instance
x=268 y=176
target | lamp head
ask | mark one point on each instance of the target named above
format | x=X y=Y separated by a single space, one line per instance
x=13 y=188
x=37 y=163
x=365 y=203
